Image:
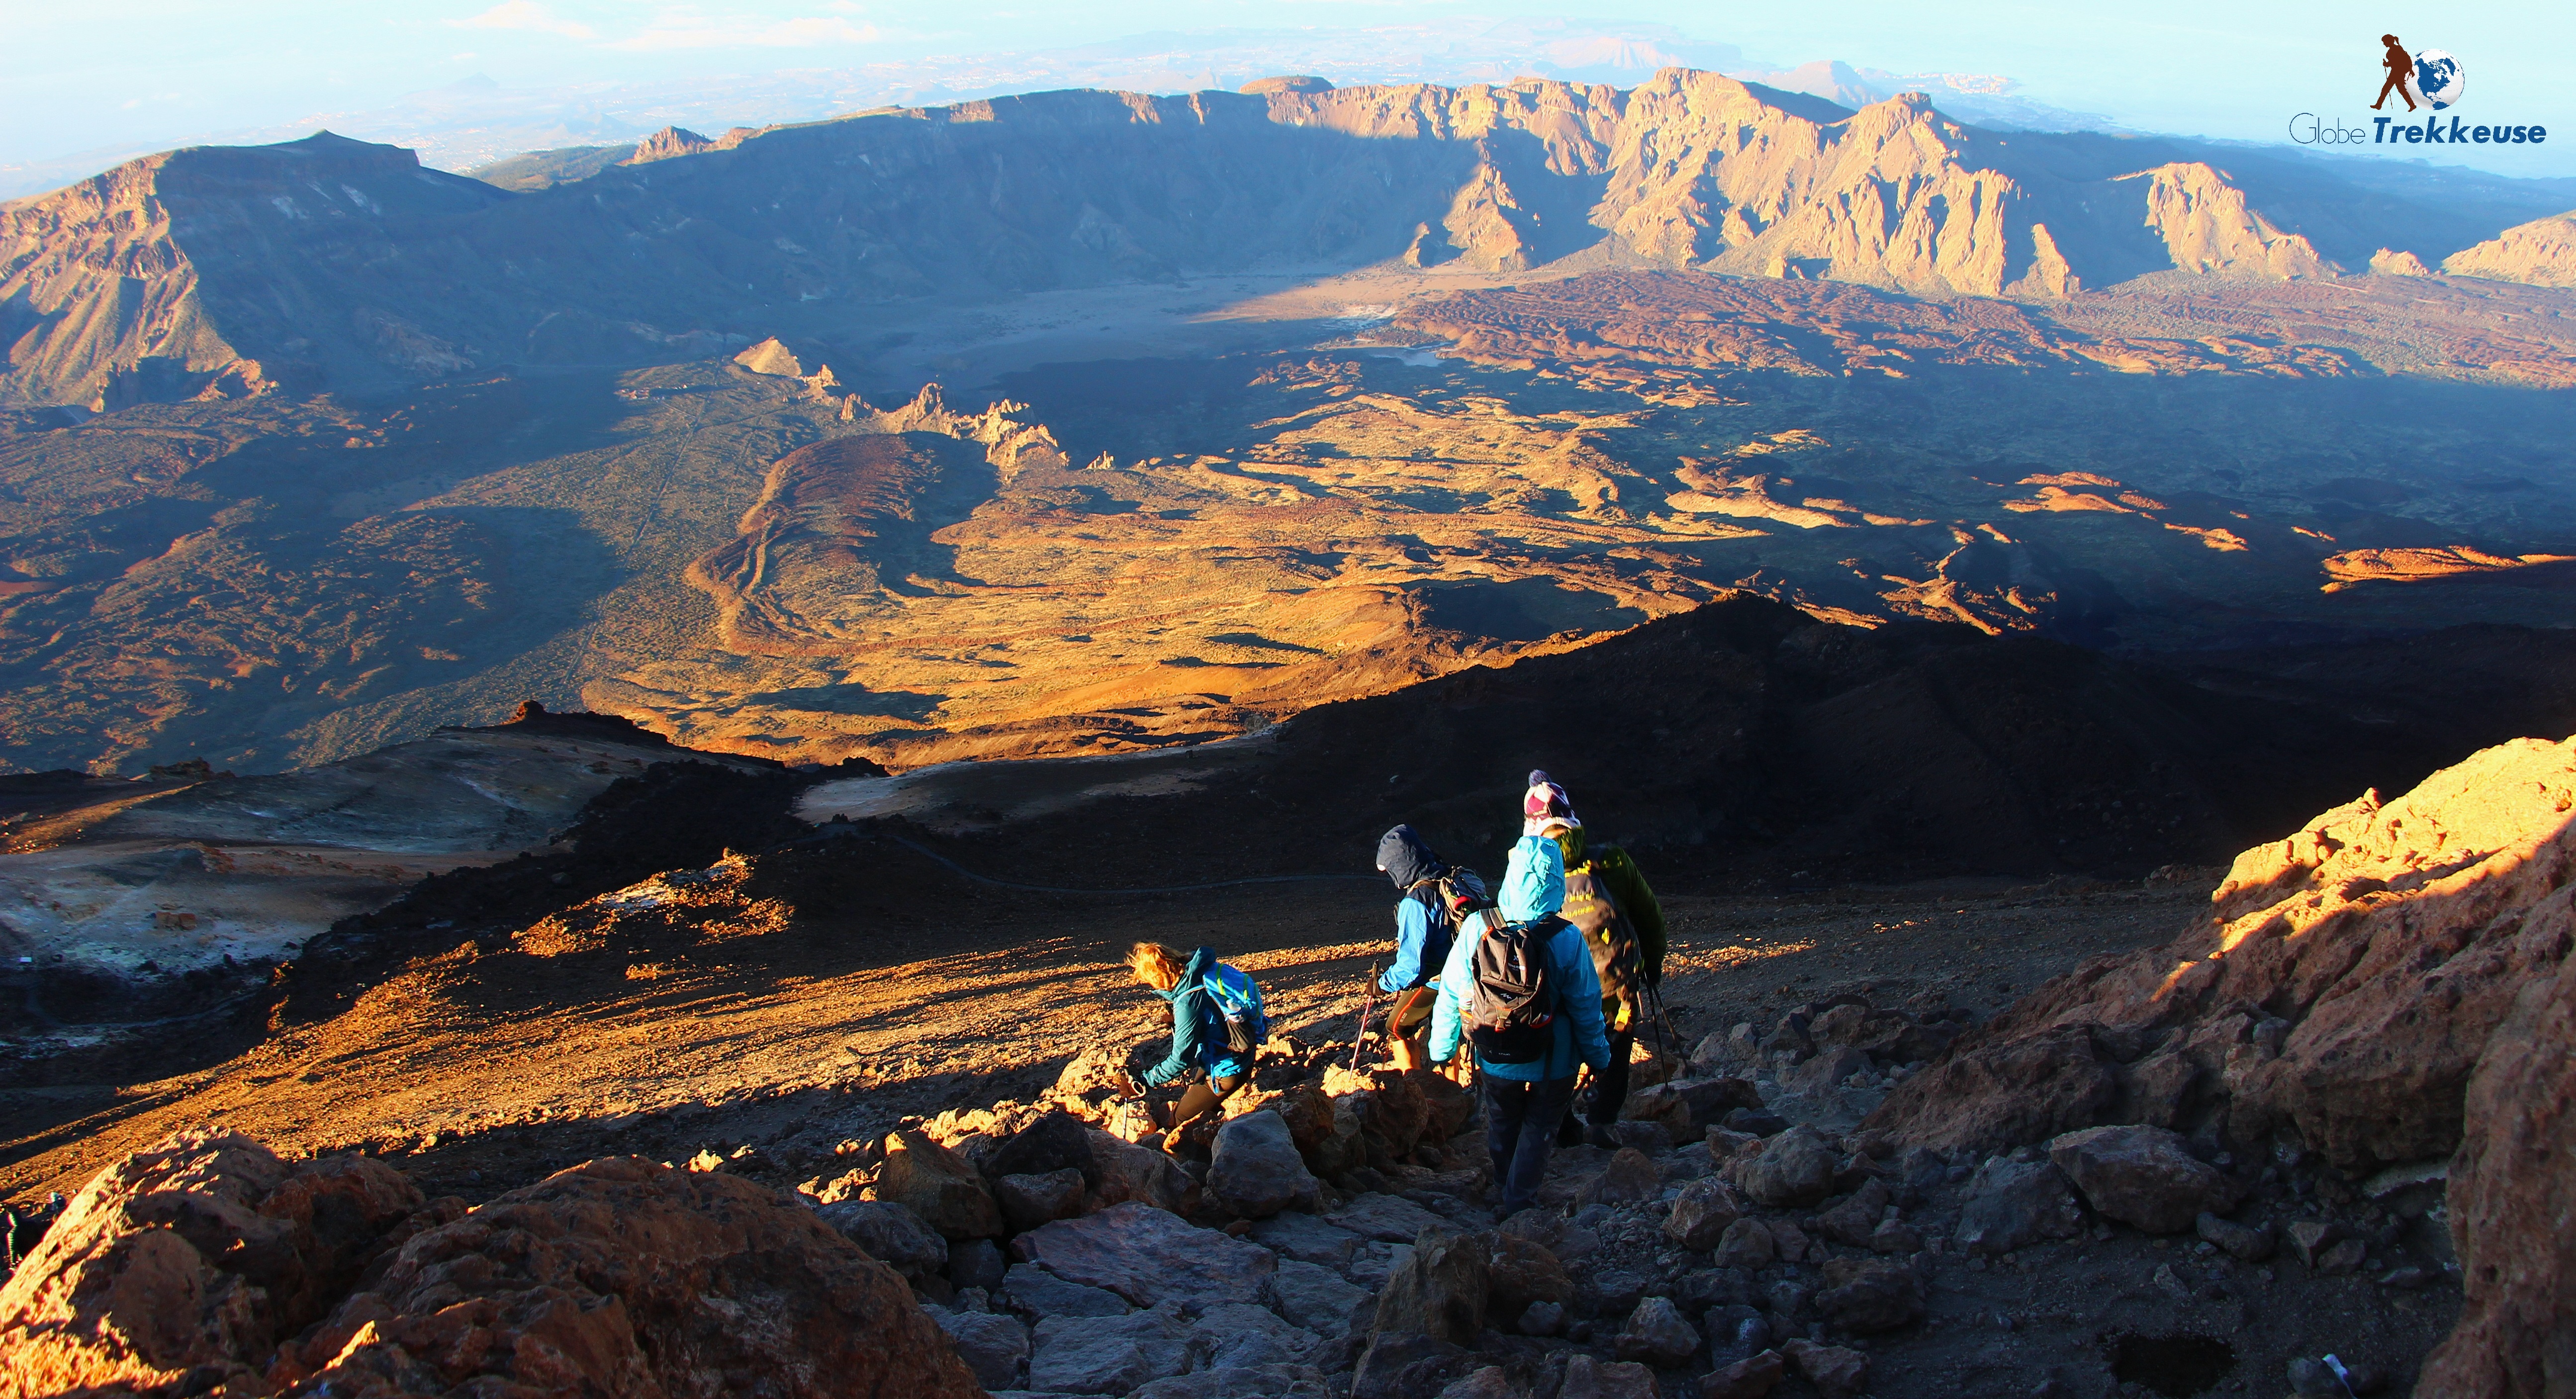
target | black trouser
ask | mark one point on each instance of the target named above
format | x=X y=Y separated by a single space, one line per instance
x=1607 y=1094
x=1520 y=1116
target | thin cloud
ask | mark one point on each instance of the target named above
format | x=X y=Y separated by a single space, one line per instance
x=528 y=15
x=680 y=31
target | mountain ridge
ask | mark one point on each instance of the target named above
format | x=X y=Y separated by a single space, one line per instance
x=333 y=263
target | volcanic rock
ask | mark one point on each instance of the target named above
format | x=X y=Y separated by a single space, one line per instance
x=1303 y=1237
x=2242 y=1242
x=1795 y=1168
x=2014 y=1204
x=2541 y=252
x=1746 y=1243
x=994 y=1346
x=1030 y=1288
x=1824 y=1072
x=939 y=1185
x=1701 y=1214
x=2391 y=938
x=1028 y=1201
x=1656 y=1334
x=1256 y=1171
x=1749 y=1378
x=1314 y=1297
x=1519 y=1272
x=1108 y=1355
x=1240 y=1336
x=1836 y=1372
x=1124 y=1172
x=1587 y=1378
x=1390 y=1218
x=1629 y=1177
x=198 y=1254
x=1993 y=1096
x=1440 y=1291
x=1855 y=1219
x=1689 y=1107
x=1147 y=1255
x=2143 y=1176
x=623 y=1276
x=890 y=1234
x=2510 y=1193
x=975 y=1263
x=1874 y=1297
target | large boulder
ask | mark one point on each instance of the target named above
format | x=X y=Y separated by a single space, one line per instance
x=1256 y=1171
x=1033 y=1198
x=1866 y=1297
x=620 y=1276
x=890 y=1234
x=1314 y=1297
x=1656 y=1334
x=1390 y=1106
x=1026 y=1287
x=1122 y=1172
x=196 y=1255
x=939 y=1185
x=1147 y=1255
x=2143 y=1176
x=1701 y=1214
x=2012 y=1204
x=1108 y=1354
x=1998 y=1092
x=1792 y=1170
x=1520 y=1271
x=994 y=1346
x=1440 y=1291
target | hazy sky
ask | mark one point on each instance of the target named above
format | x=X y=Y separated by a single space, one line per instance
x=78 y=77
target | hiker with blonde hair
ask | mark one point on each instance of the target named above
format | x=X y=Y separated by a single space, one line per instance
x=1217 y=1025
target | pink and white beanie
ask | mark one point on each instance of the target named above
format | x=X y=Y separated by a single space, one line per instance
x=1545 y=805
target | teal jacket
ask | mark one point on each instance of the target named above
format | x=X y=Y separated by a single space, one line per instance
x=1198 y=1033
x=1537 y=867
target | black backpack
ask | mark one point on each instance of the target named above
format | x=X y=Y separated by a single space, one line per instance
x=1612 y=939
x=1511 y=1007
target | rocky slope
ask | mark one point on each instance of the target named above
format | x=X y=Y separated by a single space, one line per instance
x=209 y=1266
x=328 y=261
x=2387 y=989
x=2541 y=252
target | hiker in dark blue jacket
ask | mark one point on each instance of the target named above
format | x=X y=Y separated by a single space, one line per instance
x=1201 y=1053
x=1423 y=927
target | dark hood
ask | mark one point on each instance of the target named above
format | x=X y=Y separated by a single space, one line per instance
x=1406 y=858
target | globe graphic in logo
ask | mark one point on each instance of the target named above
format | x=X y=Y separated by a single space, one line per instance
x=2438 y=78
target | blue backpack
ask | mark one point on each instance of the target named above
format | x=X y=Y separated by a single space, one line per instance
x=1238 y=1004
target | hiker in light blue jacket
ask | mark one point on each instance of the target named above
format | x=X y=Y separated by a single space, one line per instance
x=1525 y=1102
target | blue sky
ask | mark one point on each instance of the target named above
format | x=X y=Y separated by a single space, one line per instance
x=76 y=78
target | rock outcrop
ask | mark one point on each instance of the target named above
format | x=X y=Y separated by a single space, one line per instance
x=2541 y=252
x=209 y=1262
x=2394 y=984
x=192 y=1261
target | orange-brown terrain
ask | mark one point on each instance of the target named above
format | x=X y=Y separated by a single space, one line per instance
x=482 y=694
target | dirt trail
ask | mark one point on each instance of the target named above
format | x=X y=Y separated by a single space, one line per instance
x=482 y=1070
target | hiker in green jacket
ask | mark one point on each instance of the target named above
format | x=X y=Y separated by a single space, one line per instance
x=1608 y=898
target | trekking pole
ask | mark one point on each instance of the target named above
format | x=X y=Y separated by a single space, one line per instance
x=1367 y=1004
